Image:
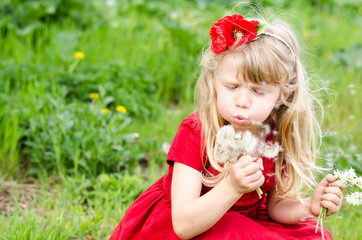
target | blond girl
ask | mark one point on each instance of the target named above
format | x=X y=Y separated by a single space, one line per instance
x=253 y=82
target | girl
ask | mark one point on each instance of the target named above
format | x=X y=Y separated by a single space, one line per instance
x=252 y=80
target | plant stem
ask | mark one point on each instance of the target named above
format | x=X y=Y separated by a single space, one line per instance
x=321 y=217
x=74 y=64
x=259 y=191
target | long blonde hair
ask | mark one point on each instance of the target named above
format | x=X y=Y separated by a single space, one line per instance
x=267 y=59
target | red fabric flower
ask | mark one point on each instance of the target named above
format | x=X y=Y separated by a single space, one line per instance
x=228 y=29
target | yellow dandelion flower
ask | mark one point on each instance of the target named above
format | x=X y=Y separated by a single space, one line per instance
x=121 y=109
x=306 y=33
x=105 y=110
x=79 y=55
x=94 y=96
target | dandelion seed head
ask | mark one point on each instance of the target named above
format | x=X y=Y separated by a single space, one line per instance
x=358 y=180
x=110 y=3
x=271 y=151
x=230 y=144
x=354 y=198
x=348 y=176
x=353 y=148
x=174 y=15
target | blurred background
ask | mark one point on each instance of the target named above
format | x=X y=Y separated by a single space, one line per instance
x=92 y=93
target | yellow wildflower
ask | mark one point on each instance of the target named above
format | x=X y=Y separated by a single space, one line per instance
x=121 y=109
x=306 y=33
x=79 y=55
x=94 y=96
x=105 y=110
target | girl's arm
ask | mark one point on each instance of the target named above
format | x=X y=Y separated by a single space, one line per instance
x=193 y=214
x=328 y=194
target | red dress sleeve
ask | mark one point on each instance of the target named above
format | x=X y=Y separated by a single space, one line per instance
x=185 y=147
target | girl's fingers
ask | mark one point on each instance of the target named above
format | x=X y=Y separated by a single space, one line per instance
x=334 y=190
x=255 y=180
x=244 y=161
x=251 y=169
x=339 y=184
x=254 y=177
x=333 y=199
x=259 y=161
x=332 y=208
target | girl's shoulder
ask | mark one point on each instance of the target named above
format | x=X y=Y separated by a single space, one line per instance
x=185 y=147
x=193 y=122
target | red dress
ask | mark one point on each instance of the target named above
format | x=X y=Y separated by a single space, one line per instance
x=149 y=216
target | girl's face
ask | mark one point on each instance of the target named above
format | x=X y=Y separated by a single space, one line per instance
x=242 y=103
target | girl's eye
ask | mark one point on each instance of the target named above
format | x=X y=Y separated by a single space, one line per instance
x=231 y=86
x=258 y=91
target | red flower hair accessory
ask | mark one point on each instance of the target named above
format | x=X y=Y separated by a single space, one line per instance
x=230 y=29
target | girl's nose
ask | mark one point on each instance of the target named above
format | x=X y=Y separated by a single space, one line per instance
x=243 y=99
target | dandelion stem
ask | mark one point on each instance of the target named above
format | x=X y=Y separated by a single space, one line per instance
x=74 y=64
x=259 y=191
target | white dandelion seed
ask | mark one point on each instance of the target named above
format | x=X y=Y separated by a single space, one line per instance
x=266 y=129
x=165 y=147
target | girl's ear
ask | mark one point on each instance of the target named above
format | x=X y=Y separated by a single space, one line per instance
x=282 y=96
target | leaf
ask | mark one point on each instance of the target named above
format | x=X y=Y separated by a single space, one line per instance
x=261 y=28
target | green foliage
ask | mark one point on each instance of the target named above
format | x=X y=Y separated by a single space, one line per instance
x=142 y=55
x=79 y=208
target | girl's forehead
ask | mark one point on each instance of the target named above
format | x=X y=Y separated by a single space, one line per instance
x=228 y=66
x=235 y=65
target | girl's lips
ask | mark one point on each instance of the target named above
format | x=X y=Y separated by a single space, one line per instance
x=240 y=120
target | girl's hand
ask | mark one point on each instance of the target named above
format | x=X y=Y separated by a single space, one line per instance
x=246 y=174
x=328 y=194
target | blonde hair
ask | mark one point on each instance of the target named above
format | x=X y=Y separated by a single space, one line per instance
x=267 y=59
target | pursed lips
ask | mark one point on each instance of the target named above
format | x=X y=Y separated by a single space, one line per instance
x=240 y=120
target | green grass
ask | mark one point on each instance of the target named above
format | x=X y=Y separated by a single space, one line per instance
x=142 y=55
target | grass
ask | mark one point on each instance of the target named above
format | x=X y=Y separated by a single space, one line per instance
x=88 y=166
